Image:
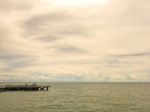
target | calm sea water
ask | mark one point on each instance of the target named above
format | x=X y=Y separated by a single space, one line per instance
x=80 y=97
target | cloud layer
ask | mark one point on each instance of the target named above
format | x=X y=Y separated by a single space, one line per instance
x=40 y=40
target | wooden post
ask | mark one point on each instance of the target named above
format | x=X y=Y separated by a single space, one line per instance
x=47 y=88
x=1 y=90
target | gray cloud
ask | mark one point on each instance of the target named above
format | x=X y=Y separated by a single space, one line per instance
x=74 y=30
x=19 y=64
x=59 y=23
x=134 y=55
x=48 y=38
x=41 y=24
x=15 y=61
x=11 y=56
x=70 y=49
x=13 y=5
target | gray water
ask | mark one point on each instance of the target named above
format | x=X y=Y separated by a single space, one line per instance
x=80 y=97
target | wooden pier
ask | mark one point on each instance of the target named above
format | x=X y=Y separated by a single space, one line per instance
x=26 y=87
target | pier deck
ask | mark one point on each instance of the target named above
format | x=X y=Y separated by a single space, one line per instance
x=23 y=88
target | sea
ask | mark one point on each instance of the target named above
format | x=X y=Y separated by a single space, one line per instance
x=80 y=97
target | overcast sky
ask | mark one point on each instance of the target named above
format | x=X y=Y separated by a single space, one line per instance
x=75 y=40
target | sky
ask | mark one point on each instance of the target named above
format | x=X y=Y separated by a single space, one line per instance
x=75 y=40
